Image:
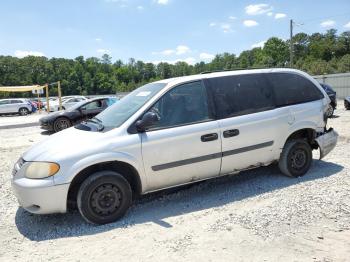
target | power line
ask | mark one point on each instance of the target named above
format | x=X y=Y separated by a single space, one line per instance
x=326 y=17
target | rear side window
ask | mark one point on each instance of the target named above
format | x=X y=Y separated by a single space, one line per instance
x=16 y=102
x=293 y=89
x=241 y=95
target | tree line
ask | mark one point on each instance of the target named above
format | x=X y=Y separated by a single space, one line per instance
x=316 y=54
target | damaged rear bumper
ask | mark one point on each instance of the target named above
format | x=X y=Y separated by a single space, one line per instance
x=327 y=141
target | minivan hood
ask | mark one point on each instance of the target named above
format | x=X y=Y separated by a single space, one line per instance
x=64 y=144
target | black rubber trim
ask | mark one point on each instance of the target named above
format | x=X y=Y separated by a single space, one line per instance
x=186 y=162
x=210 y=157
x=247 y=148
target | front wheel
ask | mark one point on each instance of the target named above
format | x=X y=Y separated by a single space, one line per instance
x=61 y=123
x=296 y=158
x=104 y=197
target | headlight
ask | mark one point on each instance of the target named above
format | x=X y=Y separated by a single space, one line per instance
x=37 y=170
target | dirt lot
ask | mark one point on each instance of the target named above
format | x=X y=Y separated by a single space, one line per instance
x=257 y=215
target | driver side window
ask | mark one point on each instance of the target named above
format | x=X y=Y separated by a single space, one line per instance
x=93 y=105
x=184 y=104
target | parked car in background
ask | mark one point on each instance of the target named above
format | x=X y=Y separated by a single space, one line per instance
x=347 y=103
x=332 y=96
x=67 y=102
x=175 y=132
x=15 y=106
x=83 y=110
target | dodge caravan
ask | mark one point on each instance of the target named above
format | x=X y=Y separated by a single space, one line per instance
x=174 y=132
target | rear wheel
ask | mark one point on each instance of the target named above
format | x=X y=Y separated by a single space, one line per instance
x=23 y=111
x=61 y=123
x=296 y=158
x=104 y=197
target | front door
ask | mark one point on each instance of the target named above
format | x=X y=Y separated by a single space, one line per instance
x=184 y=145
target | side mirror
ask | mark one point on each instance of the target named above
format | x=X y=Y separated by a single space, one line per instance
x=147 y=120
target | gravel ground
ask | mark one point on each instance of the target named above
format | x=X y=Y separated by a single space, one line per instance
x=257 y=215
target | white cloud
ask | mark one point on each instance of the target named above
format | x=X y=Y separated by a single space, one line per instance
x=259 y=44
x=206 y=56
x=250 y=23
x=347 y=25
x=188 y=60
x=22 y=53
x=179 y=50
x=328 y=23
x=182 y=49
x=212 y=24
x=232 y=17
x=226 y=28
x=140 y=7
x=98 y=39
x=258 y=9
x=167 y=52
x=270 y=13
x=103 y=51
x=280 y=15
x=162 y=2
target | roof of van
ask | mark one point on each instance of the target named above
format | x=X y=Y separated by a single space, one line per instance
x=177 y=80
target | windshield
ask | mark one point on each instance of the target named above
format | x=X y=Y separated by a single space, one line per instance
x=118 y=113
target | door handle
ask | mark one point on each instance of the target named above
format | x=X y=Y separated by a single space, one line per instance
x=231 y=133
x=209 y=137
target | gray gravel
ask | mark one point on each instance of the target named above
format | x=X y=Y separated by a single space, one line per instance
x=254 y=216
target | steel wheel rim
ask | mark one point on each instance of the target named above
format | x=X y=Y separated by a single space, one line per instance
x=23 y=111
x=298 y=159
x=105 y=200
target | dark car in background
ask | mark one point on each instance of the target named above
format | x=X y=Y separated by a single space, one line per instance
x=347 y=103
x=333 y=97
x=82 y=111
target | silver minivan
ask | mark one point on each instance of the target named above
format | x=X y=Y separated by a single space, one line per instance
x=174 y=132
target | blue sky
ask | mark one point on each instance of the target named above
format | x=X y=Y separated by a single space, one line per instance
x=157 y=30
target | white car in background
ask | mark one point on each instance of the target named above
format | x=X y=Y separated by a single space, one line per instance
x=67 y=102
x=16 y=105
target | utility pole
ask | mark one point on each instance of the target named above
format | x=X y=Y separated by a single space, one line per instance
x=291 y=44
x=59 y=94
x=47 y=98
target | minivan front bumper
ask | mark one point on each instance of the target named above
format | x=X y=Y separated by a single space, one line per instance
x=327 y=141
x=40 y=196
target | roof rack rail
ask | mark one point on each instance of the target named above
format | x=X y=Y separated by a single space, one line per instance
x=236 y=69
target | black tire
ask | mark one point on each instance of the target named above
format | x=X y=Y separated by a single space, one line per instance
x=296 y=158
x=61 y=123
x=104 y=197
x=346 y=105
x=23 y=111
